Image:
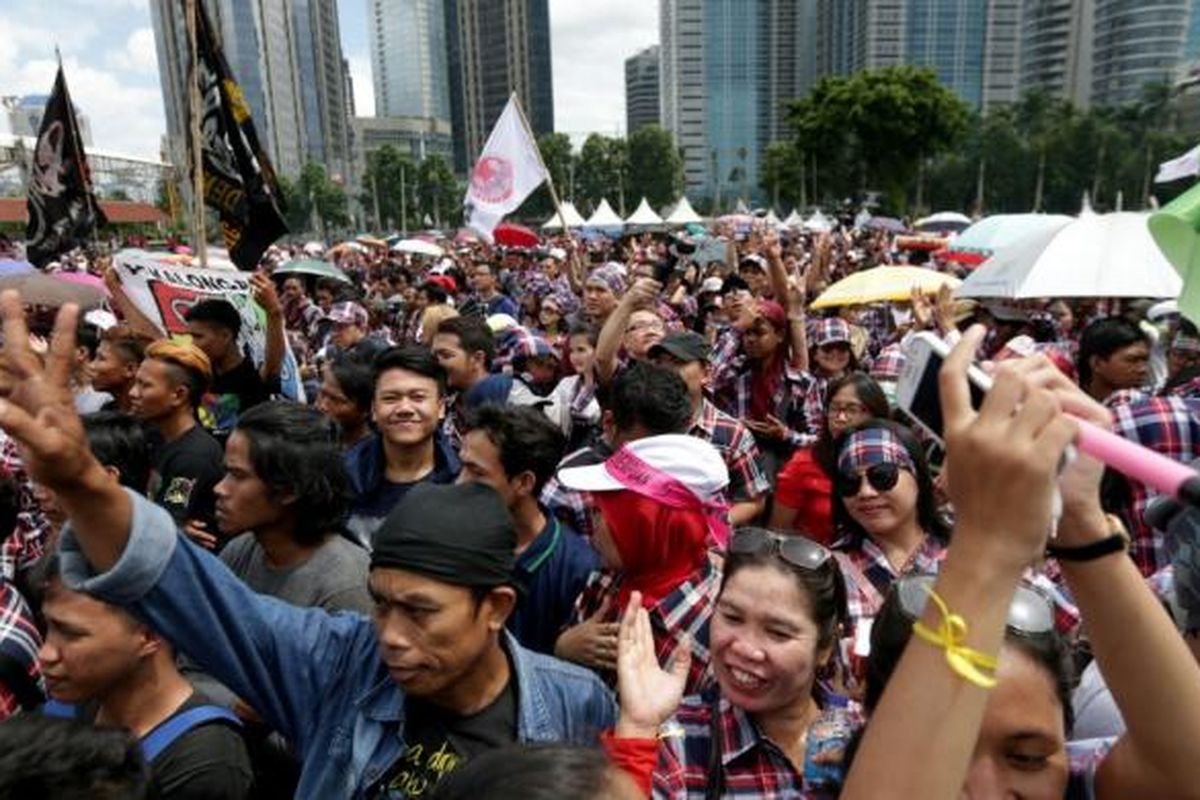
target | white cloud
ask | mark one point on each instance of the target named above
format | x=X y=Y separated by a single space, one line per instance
x=589 y=44
x=138 y=55
x=364 y=89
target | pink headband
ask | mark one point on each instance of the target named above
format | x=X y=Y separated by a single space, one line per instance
x=637 y=476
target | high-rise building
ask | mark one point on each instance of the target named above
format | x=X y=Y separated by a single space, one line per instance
x=1139 y=43
x=25 y=116
x=408 y=58
x=641 y=89
x=286 y=56
x=327 y=106
x=1056 y=49
x=496 y=48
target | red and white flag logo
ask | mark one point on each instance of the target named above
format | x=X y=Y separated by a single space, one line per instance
x=508 y=170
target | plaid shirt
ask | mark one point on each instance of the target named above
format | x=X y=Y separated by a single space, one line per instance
x=686 y=610
x=735 y=443
x=1167 y=425
x=568 y=505
x=27 y=541
x=752 y=766
x=799 y=396
x=868 y=573
x=19 y=644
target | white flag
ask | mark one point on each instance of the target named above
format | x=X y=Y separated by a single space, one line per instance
x=508 y=170
x=1182 y=167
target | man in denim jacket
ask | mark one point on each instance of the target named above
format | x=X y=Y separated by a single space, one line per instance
x=374 y=708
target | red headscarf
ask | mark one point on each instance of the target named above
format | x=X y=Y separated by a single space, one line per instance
x=660 y=546
x=766 y=376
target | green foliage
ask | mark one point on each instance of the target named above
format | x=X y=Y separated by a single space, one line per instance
x=781 y=174
x=388 y=174
x=557 y=156
x=314 y=203
x=438 y=194
x=603 y=166
x=655 y=170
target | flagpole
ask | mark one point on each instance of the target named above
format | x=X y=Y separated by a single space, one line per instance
x=562 y=218
x=85 y=174
x=194 y=113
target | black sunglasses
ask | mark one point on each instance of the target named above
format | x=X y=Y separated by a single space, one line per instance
x=1030 y=612
x=795 y=550
x=882 y=477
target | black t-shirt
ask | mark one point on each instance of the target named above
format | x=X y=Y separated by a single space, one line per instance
x=207 y=762
x=185 y=474
x=232 y=393
x=438 y=741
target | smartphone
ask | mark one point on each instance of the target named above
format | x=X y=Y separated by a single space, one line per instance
x=917 y=390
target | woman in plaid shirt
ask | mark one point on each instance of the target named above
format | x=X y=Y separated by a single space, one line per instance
x=774 y=633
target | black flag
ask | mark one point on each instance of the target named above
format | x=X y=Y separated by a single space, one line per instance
x=239 y=181
x=63 y=213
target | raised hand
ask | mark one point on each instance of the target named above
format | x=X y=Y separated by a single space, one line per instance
x=649 y=694
x=39 y=410
x=266 y=294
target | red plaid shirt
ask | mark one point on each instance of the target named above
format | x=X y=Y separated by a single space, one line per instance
x=1167 y=425
x=868 y=573
x=800 y=394
x=19 y=644
x=752 y=766
x=686 y=610
x=27 y=541
x=735 y=443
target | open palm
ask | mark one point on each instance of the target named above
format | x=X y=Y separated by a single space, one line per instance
x=649 y=694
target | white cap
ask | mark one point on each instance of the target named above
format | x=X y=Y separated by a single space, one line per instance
x=498 y=323
x=558 y=254
x=712 y=284
x=689 y=460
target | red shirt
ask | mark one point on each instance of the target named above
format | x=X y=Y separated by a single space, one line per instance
x=804 y=487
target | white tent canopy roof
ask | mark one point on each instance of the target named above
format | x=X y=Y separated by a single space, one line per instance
x=604 y=217
x=794 y=220
x=574 y=218
x=683 y=213
x=818 y=223
x=644 y=215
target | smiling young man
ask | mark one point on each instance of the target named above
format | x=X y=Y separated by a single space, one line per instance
x=408 y=448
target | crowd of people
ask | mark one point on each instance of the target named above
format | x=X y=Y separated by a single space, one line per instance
x=594 y=519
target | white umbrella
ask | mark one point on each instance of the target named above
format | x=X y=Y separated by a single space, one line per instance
x=943 y=221
x=418 y=247
x=1092 y=255
x=683 y=214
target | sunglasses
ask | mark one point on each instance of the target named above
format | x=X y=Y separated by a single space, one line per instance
x=795 y=550
x=1030 y=612
x=882 y=477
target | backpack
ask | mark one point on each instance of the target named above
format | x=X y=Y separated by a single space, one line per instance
x=166 y=733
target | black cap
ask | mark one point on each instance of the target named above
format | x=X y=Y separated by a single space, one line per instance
x=683 y=345
x=461 y=534
x=1003 y=312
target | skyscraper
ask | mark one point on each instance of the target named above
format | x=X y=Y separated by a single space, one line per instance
x=408 y=58
x=495 y=48
x=1056 y=49
x=641 y=89
x=286 y=56
x=1138 y=43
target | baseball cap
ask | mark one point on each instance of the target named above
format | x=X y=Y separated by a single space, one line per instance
x=683 y=345
x=690 y=461
x=753 y=260
x=348 y=313
x=830 y=331
x=712 y=284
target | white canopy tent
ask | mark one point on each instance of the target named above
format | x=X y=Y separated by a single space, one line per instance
x=818 y=223
x=683 y=213
x=574 y=218
x=644 y=215
x=604 y=217
x=794 y=220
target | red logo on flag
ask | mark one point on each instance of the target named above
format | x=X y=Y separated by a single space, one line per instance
x=173 y=304
x=492 y=180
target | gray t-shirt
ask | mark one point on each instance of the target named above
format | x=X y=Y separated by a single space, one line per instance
x=333 y=578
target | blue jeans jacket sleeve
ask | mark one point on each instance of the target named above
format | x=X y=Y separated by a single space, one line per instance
x=277 y=657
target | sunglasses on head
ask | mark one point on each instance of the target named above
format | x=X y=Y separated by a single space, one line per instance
x=795 y=550
x=1030 y=611
x=882 y=477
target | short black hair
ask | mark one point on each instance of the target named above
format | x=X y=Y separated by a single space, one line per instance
x=473 y=335
x=530 y=772
x=295 y=451
x=410 y=358
x=1102 y=338
x=356 y=379
x=119 y=440
x=87 y=336
x=66 y=759
x=434 y=291
x=651 y=397
x=526 y=440
x=215 y=311
x=587 y=329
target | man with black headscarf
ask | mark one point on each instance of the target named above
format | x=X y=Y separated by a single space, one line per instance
x=375 y=708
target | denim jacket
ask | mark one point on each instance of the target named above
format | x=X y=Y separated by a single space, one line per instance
x=318 y=678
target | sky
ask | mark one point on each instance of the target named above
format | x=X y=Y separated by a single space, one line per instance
x=112 y=71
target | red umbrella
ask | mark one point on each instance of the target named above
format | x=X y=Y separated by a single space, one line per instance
x=513 y=235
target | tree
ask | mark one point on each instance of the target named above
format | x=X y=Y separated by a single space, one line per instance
x=557 y=156
x=878 y=126
x=655 y=170
x=600 y=173
x=781 y=174
x=315 y=201
x=389 y=186
x=438 y=196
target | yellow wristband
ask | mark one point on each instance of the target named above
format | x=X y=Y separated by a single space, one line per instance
x=964 y=661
